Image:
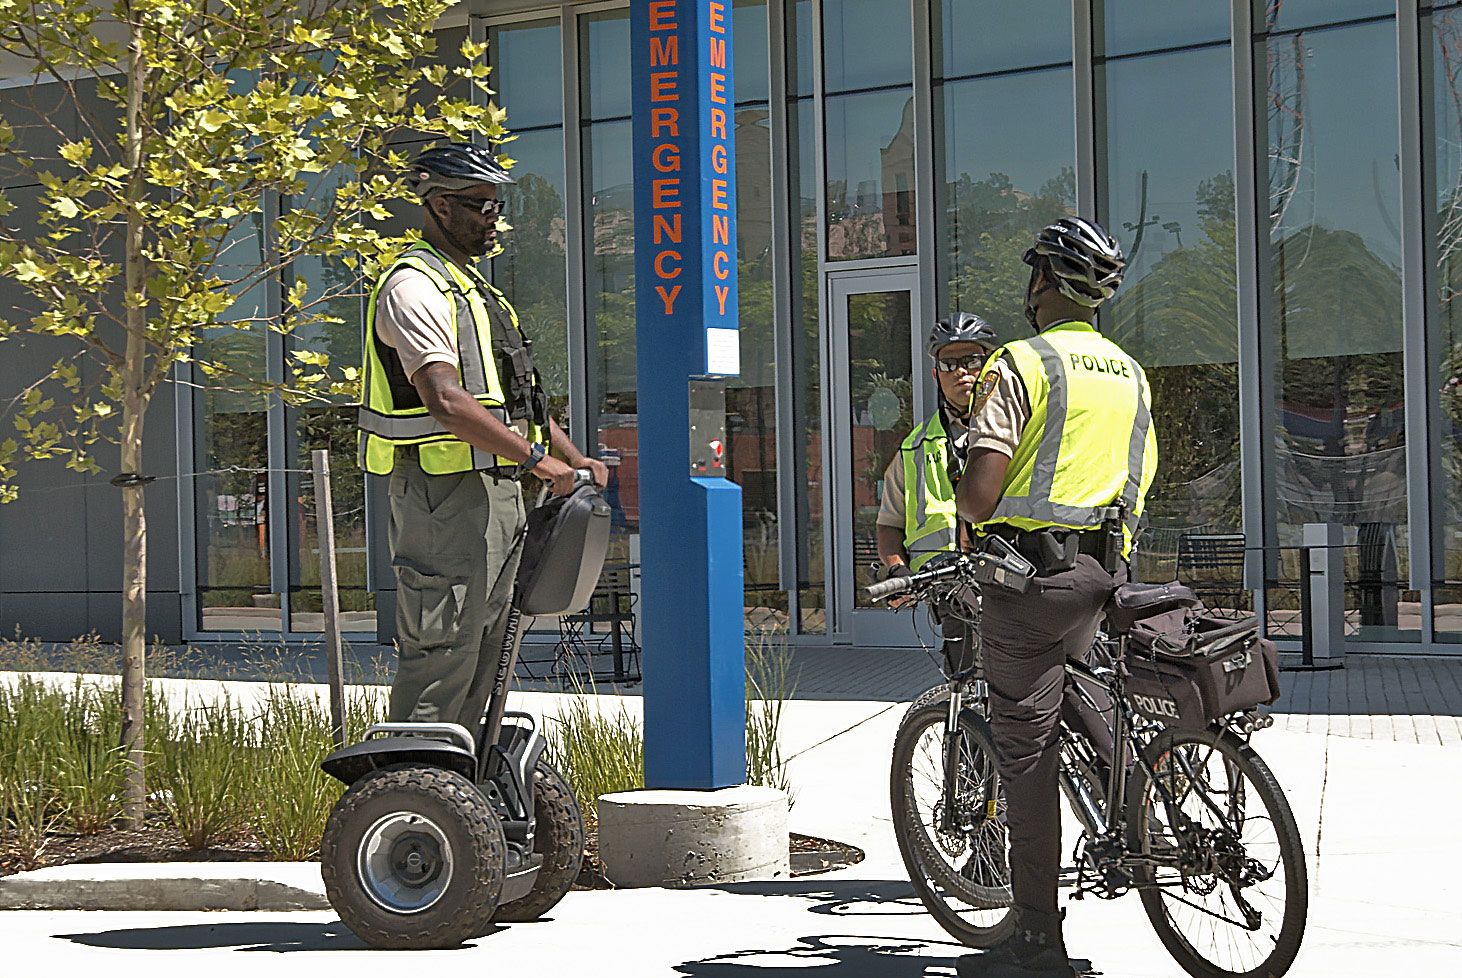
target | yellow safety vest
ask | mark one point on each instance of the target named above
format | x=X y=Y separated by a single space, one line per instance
x=393 y=416
x=1089 y=442
x=930 y=519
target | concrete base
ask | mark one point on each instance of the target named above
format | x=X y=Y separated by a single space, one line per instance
x=693 y=838
x=167 y=886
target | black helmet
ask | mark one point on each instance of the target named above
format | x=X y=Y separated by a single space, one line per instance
x=1084 y=262
x=455 y=166
x=960 y=327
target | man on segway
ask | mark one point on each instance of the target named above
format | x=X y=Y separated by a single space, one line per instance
x=452 y=819
x=453 y=411
x=1062 y=452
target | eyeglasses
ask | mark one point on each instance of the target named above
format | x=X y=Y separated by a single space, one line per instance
x=970 y=363
x=486 y=206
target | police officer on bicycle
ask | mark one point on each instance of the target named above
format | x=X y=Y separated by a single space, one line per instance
x=916 y=518
x=1061 y=455
x=453 y=411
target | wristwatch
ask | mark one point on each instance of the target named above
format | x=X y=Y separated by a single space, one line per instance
x=535 y=455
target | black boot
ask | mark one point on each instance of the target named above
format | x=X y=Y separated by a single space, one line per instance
x=1035 y=950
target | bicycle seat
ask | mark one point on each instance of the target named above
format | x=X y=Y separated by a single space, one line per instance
x=1132 y=603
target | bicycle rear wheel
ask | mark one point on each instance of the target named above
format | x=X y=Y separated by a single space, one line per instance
x=960 y=869
x=1229 y=894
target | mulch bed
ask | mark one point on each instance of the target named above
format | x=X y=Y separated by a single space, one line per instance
x=156 y=841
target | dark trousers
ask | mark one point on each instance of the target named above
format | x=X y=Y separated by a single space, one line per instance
x=1027 y=640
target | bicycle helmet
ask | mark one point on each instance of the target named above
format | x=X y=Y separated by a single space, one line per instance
x=961 y=327
x=455 y=166
x=1082 y=261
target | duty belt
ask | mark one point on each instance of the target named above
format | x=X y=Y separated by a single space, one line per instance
x=1052 y=549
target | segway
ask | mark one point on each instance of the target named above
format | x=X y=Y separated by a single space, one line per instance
x=443 y=831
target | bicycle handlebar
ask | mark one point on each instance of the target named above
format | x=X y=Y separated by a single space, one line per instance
x=896 y=585
x=882 y=589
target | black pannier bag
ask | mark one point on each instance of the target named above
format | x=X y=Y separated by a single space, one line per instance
x=563 y=553
x=1186 y=668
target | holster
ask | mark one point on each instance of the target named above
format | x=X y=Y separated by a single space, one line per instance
x=1054 y=549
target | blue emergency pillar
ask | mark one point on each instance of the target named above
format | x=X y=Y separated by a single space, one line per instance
x=686 y=327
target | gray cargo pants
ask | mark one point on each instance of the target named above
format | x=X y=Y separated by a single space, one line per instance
x=1027 y=640
x=452 y=547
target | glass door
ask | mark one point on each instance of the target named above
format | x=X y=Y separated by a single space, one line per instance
x=876 y=397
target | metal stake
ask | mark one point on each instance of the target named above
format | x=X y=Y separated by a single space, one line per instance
x=329 y=593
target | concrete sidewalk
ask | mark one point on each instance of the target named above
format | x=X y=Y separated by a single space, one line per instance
x=1378 y=818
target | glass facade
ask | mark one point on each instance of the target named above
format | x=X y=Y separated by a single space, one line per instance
x=1442 y=61
x=1167 y=192
x=236 y=586
x=949 y=174
x=1333 y=354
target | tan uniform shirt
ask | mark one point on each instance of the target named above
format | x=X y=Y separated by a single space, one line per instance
x=1001 y=409
x=417 y=320
x=891 y=508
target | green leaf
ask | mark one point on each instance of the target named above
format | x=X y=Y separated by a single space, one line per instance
x=77 y=153
x=27 y=270
x=212 y=120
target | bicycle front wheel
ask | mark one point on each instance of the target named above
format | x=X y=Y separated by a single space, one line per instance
x=1225 y=884
x=958 y=860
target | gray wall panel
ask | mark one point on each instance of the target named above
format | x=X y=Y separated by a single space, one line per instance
x=103 y=614
x=50 y=617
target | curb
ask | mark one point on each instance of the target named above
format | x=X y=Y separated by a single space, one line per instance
x=272 y=886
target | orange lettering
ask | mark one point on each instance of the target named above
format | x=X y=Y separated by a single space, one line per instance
x=660 y=264
x=718 y=158
x=720 y=229
x=664 y=51
x=721 y=292
x=718 y=52
x=669 y=118
x=718 y=88
x=662 y=85
x=662 y=15
x=718 y=195
x=718 y=124
x=721 y=256
x=665 y=193
x=718 y=21
x=670 y=228
x=667 y=158
x=668 y=298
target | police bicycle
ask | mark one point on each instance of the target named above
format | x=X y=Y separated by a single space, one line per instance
x=1194 y=821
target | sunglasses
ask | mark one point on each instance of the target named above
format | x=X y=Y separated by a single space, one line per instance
x=486 y=206
x=970 y=363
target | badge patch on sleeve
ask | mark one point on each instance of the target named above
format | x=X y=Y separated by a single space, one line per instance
x=983 y=390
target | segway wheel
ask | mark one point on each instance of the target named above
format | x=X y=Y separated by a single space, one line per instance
x=558 y=836
x=412 y=859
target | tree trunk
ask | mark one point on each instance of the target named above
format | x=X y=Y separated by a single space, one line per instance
x=134 y=517
x=134 y=595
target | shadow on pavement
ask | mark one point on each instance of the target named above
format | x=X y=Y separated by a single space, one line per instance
x=848 y=955
x=244 y=936
x=840 y=897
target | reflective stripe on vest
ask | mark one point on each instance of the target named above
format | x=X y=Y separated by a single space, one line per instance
x=1117 y=456
x=929 y=511
x=384 y=427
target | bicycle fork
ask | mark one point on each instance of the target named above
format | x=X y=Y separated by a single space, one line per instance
x=953 y=744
